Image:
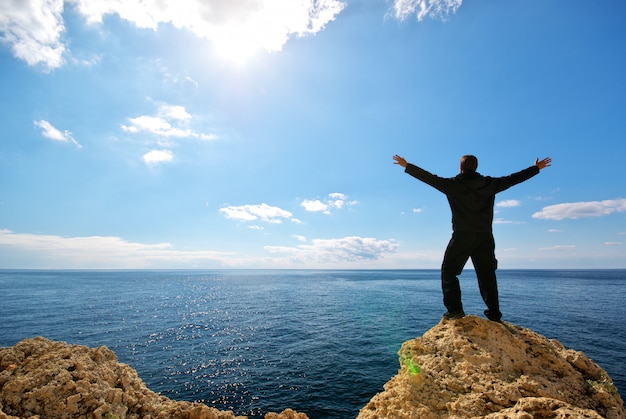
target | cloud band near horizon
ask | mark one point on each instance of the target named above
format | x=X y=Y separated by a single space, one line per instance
x=108 y=252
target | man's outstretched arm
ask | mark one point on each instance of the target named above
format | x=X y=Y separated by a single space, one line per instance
x=543 y=163
x=435 y=181
x=505 y=182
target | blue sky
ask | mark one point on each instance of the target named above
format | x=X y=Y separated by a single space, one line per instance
x=260 y=134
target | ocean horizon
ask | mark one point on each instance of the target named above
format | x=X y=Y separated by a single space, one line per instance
x=322 y=342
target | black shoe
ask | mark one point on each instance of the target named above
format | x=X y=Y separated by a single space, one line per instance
x=453 y=315
x=497 y=318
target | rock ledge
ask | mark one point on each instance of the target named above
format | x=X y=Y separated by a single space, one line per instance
x=475 y=368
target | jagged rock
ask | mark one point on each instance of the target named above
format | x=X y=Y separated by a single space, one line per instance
x=475 y=368
x=40 y=378
x=465 y=368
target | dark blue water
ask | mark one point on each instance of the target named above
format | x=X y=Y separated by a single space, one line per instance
x=320 y=342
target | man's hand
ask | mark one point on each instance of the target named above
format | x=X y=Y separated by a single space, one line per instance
x=543 y=163
x=399 y=160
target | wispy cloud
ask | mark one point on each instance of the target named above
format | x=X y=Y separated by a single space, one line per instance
x=334 y=201
x=586 y=209
x=34 y=28
x=503 y=221
x=346 y=249
x=262 y=212
x=439 y=9
x=559 y=247
x=612 y=243
x=52 y=133
x=169 y=122
x=509 y=203
x=109 y=252
x=104 y=252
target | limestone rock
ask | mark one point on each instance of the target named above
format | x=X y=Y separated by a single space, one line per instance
x=475 y=368
x=40 y=378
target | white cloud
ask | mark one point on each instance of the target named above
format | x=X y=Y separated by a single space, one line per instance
x=559 y=247
x=263 y=212
x=613 y=243
x=335 y=200
x=174 y=112
x=576 y=210
x=161 y=124
x=154 y=124
x=108 y=252
x=503 y=221
x=102 y=252
x=34 y=28
x=347 y=249
x=49 y=131
x=314 y=205
x=418 y=210
x=157 y=156
x=439 y=9
x=509 y=203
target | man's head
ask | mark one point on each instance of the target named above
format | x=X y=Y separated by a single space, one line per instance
x=469 y=163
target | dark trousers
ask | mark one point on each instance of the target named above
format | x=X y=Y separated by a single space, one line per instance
x=479 y=246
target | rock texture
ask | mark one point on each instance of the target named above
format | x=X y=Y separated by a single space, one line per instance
x=465 y=368
x=40 y=378
x=475 y=368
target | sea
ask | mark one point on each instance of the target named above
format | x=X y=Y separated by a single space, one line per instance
x=322 y=342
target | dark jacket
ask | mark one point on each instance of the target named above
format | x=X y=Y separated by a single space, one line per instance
x=471 y=195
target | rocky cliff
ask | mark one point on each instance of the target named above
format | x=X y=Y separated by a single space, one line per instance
x=465 y=368
x=43 y=379
x=475 y=368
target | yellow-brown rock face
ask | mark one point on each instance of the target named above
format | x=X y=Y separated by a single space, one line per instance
x=44 y=379
x=465 y=368
x=475 y=368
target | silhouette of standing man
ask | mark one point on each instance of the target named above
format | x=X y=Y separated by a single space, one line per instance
x=471 y=197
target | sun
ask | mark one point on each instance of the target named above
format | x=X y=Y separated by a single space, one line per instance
x=238 y=43
x=236 y=51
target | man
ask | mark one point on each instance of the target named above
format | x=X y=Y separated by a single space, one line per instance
x=471 y=197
